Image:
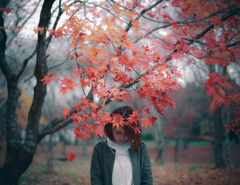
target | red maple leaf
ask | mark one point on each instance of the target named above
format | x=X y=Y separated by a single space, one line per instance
x=78 y=133
x=77 y=118
x=68 y=83
x=211 y=91
x=66 y=113
x=74 y=75
x=209 y=83
x=176 y=26
x=176 y=57
x=87 y=135
x=136 y=129
x=133 y=118
x=126 y=96
x=93 y=106
x=221 y=100
x=99 y=133
x=151 y=15
x=84 y=101
x=166 y=47
x=216 y=21
x=71 y=157
x=176 y=119
x=147 y=110
x=47 y=78
x=141 y=109
x=63 y=90
x=7 y=10
x=117 y=120
x=149 y=121
x=55 y=79
x=94 y=115
x=86 y=127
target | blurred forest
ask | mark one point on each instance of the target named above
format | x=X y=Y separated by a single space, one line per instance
x=200 y=48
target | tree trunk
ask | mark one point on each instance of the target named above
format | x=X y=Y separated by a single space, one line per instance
x=160 y=141
x=64 y=145
x=19 y=157
x=176 y=137
x=228 y=153
x=217 y=147
x=181 y=147
x=9 y=173
x=161 y=149
x=49 y=155
x=176 y=150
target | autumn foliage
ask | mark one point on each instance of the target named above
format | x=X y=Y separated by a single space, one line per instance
x=118 y=44
x=115 y=59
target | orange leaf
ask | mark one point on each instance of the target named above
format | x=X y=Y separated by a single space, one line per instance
x=117 y=120
x=93 y=106
x=65 y=8
x=55 y=79
x=149 y=121
x=74 y=44
x=66 y=113
x=63 y=90
x=103 y=104
x=101 y=82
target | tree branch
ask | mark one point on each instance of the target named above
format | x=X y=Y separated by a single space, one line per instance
x=141 y=13
x=60 y=12
x=188 y=21
x=34 y=115
x=224 y=18
x=149 y=8
x=233 y=44
x=122 y=6
x=25 y=64
x=23 y=24
x=6 y=70
x=59 y=123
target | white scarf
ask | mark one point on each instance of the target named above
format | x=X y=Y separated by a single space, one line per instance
x=122 y=168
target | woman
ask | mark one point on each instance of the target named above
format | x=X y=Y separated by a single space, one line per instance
x=122 y=159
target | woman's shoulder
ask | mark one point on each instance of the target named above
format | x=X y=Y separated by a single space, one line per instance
x=143 y=144
x=101 y=144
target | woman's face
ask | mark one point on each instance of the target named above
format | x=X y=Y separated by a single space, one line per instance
x=119 y=135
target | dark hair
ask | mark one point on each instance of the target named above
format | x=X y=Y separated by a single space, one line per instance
x=133 y=138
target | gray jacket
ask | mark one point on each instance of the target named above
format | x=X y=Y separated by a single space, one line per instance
x=103 y=161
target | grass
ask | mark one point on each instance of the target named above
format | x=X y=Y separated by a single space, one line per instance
x=172 y=143
x=76 y=172
x=194 y=167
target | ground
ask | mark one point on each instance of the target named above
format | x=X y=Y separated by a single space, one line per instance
x=196 y=167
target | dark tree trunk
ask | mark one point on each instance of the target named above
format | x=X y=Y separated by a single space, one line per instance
x=176 y=150
x=177 y=137
x=50 y=155
x=217 y=147
x=19 y=157
x=160 y=157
